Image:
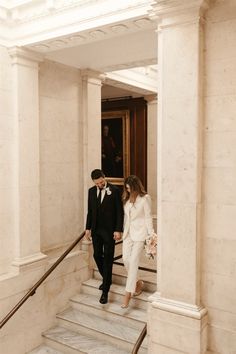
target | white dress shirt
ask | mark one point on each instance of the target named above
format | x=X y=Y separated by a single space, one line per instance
x=103 y=192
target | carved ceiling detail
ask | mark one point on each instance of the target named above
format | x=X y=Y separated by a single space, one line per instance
x=24 y=22
x=89 y=36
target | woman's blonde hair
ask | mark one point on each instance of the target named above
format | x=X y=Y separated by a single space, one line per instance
x=136 y=188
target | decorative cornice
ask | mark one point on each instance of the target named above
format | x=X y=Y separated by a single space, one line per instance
x=28 y=22
x=90 y=35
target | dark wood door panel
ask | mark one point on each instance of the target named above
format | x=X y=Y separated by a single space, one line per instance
x=137 y=108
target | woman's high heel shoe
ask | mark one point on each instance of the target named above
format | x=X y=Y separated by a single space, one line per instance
x=139 y=287
x=127 y=298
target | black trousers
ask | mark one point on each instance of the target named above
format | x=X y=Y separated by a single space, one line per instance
x=103 y=253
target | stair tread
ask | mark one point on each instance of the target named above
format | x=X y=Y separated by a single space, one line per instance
x=86 y=344
x=120 y=289
x=112 y=307
x=44 y=349
x=101 y=324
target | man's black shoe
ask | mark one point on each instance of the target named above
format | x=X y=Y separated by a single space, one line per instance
x=101 y=287
x=103 y=298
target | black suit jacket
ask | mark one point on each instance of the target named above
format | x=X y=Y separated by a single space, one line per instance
x=111 y=212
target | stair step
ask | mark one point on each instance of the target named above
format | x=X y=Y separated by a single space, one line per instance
x=90 y=304
x=43 y=349
x=105 y=329
x=116 y=293
x=119 y=276
x=72 y=342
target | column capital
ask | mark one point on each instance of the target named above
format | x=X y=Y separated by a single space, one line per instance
x=93 y=76
x=176 y=12
x=151 y=99
x=24 y=57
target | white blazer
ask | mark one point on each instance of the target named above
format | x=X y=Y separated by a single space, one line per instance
x=138 y=218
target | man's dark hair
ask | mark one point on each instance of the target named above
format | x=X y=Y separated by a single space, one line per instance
x=95 y=174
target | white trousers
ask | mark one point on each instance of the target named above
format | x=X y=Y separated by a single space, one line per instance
x=131 y=255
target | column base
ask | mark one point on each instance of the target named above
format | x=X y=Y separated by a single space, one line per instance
x=86 y=245
x=176 y=327
x=23 y=262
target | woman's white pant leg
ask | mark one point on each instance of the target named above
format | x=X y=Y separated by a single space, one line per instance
x=133 y=250
x=126 y=251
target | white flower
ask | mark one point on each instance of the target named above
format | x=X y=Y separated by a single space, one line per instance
x=108 y=191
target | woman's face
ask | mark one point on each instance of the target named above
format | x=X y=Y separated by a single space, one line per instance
x=127 y=188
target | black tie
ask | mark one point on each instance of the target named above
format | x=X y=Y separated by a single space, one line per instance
x=100 y=196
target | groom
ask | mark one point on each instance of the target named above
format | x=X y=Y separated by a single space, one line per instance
x=104 y=226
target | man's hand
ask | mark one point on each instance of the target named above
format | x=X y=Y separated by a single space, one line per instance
x=88 y=235
x=117 y=235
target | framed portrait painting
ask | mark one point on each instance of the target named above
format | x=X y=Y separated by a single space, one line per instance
x=115 y=145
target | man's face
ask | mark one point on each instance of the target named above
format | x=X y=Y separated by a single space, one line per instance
x=100 y=182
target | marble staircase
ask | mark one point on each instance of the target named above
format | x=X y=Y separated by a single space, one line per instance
x=87 y=326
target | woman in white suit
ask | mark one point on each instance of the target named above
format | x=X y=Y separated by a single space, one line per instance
x=137 y=227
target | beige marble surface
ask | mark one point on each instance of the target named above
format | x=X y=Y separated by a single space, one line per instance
x=61 y=208
x=7 y=188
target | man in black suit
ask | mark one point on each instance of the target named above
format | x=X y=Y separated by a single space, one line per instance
x=104 y=225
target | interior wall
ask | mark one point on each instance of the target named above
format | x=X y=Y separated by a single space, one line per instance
x=7 y=208
x=219 y=188
x=60 y=154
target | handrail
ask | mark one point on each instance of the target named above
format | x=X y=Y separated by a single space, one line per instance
x=139 y=340
x=32 y=291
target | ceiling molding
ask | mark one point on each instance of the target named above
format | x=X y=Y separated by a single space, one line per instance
x=33 y=22
x=131 y=64
x=94 y=35
x=132 y=81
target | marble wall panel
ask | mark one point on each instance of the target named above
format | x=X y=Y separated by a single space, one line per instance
x=219 y=189
x=7 y=134
x=23 y=331
x=184 y=332
x=60 y=154
x=178 y=221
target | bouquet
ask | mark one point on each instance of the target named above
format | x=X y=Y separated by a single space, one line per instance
x=150 y=246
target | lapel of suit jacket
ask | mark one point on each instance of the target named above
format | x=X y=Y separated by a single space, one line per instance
x=95 y=195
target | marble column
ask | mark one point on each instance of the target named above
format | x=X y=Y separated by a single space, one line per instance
x=26 y=157
x=177 y=317
x=91 y=117
x=152 y=151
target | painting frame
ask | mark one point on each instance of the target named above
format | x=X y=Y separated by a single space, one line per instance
x=121 y=120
